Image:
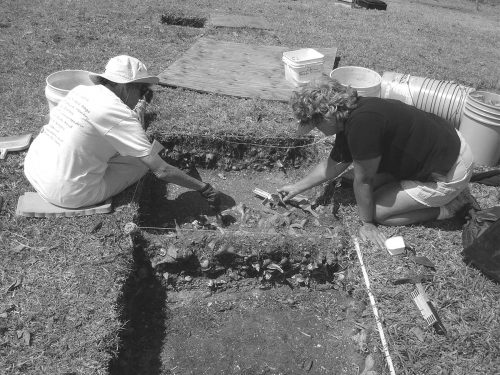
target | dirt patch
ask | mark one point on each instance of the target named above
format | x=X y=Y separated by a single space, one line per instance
x=234 y=153
x=180 y=20
x=267 y=290
x=250 y=331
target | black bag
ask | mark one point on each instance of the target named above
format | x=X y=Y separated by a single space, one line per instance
x=481 y=241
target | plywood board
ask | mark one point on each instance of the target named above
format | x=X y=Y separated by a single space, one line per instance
x=236 y=69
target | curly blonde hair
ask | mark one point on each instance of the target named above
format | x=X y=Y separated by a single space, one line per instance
x=323 y=98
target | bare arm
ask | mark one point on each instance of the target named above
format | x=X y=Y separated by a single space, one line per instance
x=324 y=171
x=169 y=173
x=364 y=175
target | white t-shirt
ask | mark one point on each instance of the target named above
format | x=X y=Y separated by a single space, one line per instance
x=69 y=157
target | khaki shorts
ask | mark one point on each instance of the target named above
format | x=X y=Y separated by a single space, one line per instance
x=443 y=189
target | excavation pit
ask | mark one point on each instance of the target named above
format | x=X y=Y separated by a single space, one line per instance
x=181 y=20
x=261 y=289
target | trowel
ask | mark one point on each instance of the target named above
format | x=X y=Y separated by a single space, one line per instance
x=299 y=201
x=14 y=143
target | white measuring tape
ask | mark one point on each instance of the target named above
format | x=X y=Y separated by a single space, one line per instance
x=374 y=307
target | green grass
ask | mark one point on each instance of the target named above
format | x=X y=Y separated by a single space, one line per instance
x=73 y=277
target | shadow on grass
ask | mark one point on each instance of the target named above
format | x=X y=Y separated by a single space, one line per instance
x=159 y=210
x=143 y=315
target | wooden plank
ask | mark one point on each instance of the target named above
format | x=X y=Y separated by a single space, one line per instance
x=238 y=21
x=236 y=69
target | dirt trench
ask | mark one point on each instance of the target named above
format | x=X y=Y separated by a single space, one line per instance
x=261 y=289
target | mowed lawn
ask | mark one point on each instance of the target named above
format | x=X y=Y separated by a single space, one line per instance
x=62 y=281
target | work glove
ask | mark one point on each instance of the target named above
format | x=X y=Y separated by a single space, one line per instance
x=212 y=196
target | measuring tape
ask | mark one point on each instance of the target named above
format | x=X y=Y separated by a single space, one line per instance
x=374 y=308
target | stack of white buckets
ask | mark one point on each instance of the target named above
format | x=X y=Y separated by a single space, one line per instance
x=475 y=113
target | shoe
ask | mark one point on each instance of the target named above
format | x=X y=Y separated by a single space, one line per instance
x=468 y=200
x=462 y=206
x=454 y=206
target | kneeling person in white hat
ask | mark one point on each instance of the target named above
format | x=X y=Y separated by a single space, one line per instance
x=94 y=145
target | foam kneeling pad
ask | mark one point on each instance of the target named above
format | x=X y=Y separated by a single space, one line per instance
x=31 y=204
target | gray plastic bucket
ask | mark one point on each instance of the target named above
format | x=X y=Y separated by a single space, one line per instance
x=60 y=83
x=480 y=126
x=365 y=81
x=445 y=99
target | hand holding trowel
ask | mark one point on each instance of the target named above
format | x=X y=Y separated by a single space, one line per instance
x=274 y=199
x=299 y=201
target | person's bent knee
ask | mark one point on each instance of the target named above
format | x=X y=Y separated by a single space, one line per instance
x=382 y=220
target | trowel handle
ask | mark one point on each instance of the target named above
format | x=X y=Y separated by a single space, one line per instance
x=261 y=193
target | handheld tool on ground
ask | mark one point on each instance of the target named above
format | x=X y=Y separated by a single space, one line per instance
x=303 y=203
x=299 y=201
x=422 y=301
x=14 y=143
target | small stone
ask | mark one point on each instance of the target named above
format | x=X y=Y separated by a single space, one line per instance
x=307 y=364
x=188 y=278
x=312 y=266
x=130 y=228
x=205 y=264
x=162 y=252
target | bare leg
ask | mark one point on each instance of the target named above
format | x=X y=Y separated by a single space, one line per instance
x=382 y=179
x=393 y=206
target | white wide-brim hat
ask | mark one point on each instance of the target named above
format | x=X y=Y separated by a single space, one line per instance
x=125 y=69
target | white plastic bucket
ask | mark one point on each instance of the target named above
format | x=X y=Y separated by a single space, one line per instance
x=302 y=66
x=60 y=83
x=445 y=99
x=486 y=101
x=366 y=81
x=480 y=127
